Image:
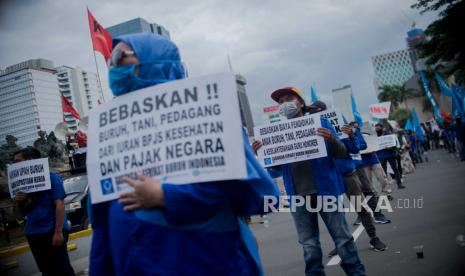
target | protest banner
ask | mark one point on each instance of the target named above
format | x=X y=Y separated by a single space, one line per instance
x=185 y=131
x=29 y=176
x=290 y=141
x=336 y=119
x=372 y=143
x=380 y=110
x=387 y=141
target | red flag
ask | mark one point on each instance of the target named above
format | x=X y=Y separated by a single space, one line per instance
x=101 y=39
x=81 y=139
x=67 y=107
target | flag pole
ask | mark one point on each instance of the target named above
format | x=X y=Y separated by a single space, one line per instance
x=98 y=76
x=95 y=60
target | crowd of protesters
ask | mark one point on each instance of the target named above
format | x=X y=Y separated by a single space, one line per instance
x=199 y=228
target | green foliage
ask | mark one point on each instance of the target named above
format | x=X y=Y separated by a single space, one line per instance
x=401 y=115
x=396 y=94
x=445 y=43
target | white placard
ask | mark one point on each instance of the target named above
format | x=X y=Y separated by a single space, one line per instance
x=29 y=176
x=372 y=143
x=387 y=141
x=290 y=141
x=335 y=117
x=185 y=131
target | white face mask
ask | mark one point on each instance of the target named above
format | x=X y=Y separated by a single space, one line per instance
x=289 y=109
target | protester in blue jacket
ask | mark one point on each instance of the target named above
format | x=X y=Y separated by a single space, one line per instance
x=312 y=180
x=347 y=168
x=47 y=228
x=388 y=155
x=165 y=229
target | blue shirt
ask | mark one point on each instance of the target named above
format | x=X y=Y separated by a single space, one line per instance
x=369 y=159
x=346 y=165
x=42 y=218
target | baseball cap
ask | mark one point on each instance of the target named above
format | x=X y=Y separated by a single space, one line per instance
x=286 y=90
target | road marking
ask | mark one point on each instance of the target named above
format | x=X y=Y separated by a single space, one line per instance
x=335 y=260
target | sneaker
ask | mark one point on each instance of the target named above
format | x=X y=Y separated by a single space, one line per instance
x=390 y=197
x=358 y=221
x=382 y=219
x=332 y=253
x=400 y=186
x=248 y=221
x=377 y=244
x=262 y=221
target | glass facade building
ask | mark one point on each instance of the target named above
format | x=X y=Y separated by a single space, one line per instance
x=392 y=68
x=29 y=100
x=137 y=25
x=81 y=88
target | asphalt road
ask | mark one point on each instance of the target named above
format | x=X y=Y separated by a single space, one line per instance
x=440 y=184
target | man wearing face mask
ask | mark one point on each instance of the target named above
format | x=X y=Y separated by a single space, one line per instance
x=388 y=155
x=312 y=179
x=166 y=229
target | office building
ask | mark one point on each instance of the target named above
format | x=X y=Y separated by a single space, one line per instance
x=137 y=25
x=81 y=88
x=30 y=100
x=393 y=68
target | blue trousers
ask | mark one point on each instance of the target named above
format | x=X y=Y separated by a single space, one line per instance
x=309 y=237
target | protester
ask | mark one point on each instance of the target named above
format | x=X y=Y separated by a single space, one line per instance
x=459 y=129
x=347 y=168
x=47 y=228
x=365 y=171
x=166 y=229
x=406 y=161
x=388 y=156
x=312 y=179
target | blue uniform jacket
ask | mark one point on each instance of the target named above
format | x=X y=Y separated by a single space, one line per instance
x=363 y=145
x=347 y=165
x=197 y=232
x=328 y=181
x=369 y=159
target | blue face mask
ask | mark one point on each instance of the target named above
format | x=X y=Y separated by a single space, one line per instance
x=123 y=79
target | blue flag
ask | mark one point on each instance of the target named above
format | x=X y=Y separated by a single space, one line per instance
x=408 y=125
x=454 y=93
x=417 y=127
x=436 y=111
x=357 y=116
x=313 y=95
x=443 y=85
x=459 y=95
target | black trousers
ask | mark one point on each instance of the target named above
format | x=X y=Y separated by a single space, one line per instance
x=393 y=164
x=51 y=260
x=354 y=188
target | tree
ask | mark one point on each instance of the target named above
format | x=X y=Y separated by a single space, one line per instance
x=396 y=94
x=445 y=43
x=401 y=116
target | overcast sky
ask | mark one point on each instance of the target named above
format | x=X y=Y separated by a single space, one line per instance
x=325 y=43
